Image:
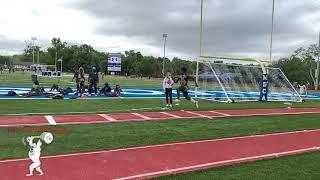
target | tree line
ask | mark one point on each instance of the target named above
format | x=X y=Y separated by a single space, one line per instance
x=74 y=56
x=299 y=67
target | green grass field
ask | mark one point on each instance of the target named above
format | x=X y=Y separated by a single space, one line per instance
x=24 y=79
x=83 y=138
x=92 y=137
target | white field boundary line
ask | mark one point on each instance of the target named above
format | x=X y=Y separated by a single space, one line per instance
x=79 y=112
x=220 y=113
x=75 y=123
x=171 y=115
x=107 y=117
x=97 y=112
x=198 y=115
x=50 y=120
x=270 y=114
x=129 y=120
x=142 y=116
x=162 y=145
x=219 y=163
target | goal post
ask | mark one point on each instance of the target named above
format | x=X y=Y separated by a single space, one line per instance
x=236 y=82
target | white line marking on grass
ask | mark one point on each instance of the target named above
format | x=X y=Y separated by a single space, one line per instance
x=272 y=114
x=162 y=145
x=78 y=112
x=107 y=117
x=220 y=113
x=142 y=116
x=218 y=163
x=50 y=120
x=128 y=111
x=143 y=109
x=197 y=114
x=172 y=115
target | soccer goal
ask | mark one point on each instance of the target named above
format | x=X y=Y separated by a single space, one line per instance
x=236 y=82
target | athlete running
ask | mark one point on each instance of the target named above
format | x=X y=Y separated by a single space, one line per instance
x=184 y=88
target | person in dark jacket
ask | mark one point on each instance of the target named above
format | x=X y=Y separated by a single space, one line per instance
x=93 y=80
x=75 y=77
x=106 y=89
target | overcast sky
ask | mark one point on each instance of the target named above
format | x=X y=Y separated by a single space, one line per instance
x=231 y=27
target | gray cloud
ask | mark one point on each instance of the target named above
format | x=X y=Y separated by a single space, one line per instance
x=9 y=46
x=231 y=27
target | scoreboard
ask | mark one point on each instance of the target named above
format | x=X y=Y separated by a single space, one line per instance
x=114 y=62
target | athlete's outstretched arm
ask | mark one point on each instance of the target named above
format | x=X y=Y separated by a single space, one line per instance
x=176 y=79
x=30 y=140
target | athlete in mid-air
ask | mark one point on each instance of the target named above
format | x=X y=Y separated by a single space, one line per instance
x=34 y=155
x=184 y=88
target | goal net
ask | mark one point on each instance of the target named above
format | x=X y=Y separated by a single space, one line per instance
x=232 y=82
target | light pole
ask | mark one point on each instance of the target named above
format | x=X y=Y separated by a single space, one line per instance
x=60 y=60
x=164 y=52
x=38 y=60
x=33 y=39
x=318 y=66
x=55 y=62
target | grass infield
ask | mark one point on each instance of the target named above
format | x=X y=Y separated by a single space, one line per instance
x=83 y=138
x=24 y=79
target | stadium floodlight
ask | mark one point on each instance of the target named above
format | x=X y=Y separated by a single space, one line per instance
x=164 y=52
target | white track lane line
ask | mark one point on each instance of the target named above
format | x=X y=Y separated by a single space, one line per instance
x=107 y=117
x=172 y=115
x=163 y=145
x=207 y=165
x=197 y=114
x=223 y=114
x=50 y=120
x=142 y=116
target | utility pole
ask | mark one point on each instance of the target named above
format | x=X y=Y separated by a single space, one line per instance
x=318 y=66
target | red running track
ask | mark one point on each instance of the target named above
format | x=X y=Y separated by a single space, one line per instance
x=158 y=160
x=143 y=116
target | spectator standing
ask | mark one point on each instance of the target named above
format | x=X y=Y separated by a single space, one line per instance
x=93 y=80
x=167 y=88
